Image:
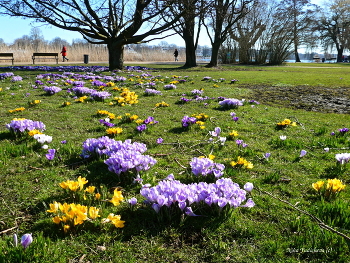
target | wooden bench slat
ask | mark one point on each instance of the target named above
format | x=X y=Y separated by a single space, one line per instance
x=45 y=56
x=9 y=55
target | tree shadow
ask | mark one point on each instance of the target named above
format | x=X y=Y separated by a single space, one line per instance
x=178 y=130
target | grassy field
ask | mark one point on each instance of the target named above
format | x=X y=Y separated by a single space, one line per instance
x=285 y=152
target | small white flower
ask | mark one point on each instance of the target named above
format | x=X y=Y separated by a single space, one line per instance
x=283 y=137
x=222 y=140
x=45 y=147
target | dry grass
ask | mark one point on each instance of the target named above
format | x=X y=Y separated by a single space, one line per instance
x=96 y=53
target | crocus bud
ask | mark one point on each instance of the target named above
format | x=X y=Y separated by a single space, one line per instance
x=26 y=240
x=132 y=201
x=248 y=187
x=15 y=240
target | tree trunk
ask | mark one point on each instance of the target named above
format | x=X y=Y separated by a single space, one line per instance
x=243 y=54
x=339 y=53
x=296 y=54
x=115 y=55
x=214 y=55
x=190 y=52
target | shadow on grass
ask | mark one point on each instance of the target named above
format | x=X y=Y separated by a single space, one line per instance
x=6 y=136
x=178 y=130
x=334 y=171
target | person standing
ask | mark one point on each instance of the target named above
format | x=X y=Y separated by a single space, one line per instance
x=64 y=53
x=176 y=54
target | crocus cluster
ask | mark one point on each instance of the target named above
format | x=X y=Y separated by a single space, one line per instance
x=80 y=90
x=206 y=167
x=187 y=121
x=100 y=95
x=42 y=138
x=241 y=163
x=152 y=92
x=122 y=156
x=148 y=121
x=342 y=158
x=26 y=240
x=173 y=193
x=17 y=110
x=126 y=160
x=230 y=103
x=105 y=146
x=51 y=90
x=74 y=185
x=71 y=215
x=197 y=92
x=330 y=189
x=16 y=78
x=6 y=75
x=22 y=125
x=106 y=122
x=170 y=86
x=286 y=123
x=343 y=131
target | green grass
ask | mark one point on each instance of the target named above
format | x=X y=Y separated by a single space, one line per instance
x=271 y=231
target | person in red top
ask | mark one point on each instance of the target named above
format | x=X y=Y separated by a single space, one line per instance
x=64 y=53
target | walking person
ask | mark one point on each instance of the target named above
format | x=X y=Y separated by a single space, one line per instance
x=176 y=54
x=64 y=54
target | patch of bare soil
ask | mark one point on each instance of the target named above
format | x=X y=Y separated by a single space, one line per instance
x=320 y=99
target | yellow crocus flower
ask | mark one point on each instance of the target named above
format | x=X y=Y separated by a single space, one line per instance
x=93 y=212
x=318 y=185
x=90 y=189
x=81 y=182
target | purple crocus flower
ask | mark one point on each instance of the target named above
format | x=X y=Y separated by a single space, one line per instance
x=235 y=118
x=51 y=154
x=248 y=187
x=267 y=155
x=26 y=240
x=302 y=153
x=160 y=140
x=141 y=127
x=149 y=120
x=132 y=201
x=189 y=212
x=343 y=130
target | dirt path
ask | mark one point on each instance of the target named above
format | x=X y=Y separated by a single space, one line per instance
x=320 y=99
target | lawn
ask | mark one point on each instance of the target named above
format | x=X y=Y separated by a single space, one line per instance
x=158 y=164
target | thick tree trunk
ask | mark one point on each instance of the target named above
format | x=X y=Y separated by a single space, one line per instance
x=116 y=55
x=297 y=58
x=244 y=54
x=190 y=52
x=340 y=54
x=214 y=55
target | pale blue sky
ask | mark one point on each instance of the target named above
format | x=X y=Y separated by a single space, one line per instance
x=13 y=28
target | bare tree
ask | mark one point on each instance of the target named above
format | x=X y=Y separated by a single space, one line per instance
x=301 y=15
x=248 y=30
x=36 y=38
x=221 y=16
x=114 y=23
x=58 y=43
x=190 y=26
x=334 y=27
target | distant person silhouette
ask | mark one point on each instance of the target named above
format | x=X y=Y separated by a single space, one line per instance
x=64 y=53
x=176 y=54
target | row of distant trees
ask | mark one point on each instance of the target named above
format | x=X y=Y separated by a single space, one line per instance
x=261 y=30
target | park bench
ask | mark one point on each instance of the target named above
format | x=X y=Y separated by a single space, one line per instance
x=7 y=56
x=45 y=56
